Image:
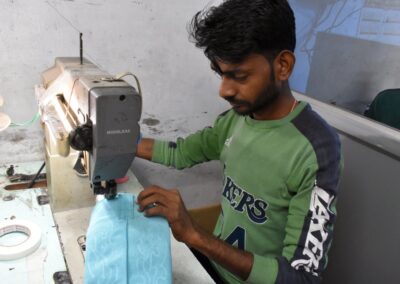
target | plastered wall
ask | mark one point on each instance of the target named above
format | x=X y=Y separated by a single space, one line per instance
x=146 y=37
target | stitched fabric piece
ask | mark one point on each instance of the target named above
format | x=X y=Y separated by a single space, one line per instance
x=124 y=246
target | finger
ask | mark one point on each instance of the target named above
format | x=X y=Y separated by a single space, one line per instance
x=158 y=210
x=144 y=194
x=150 y=191
x=151 y=201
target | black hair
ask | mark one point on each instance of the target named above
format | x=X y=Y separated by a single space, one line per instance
x=235 y=29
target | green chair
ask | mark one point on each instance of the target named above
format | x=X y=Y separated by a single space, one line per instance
x=385 y=108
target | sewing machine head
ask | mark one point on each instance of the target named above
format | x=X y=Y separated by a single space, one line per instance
x=86 y=109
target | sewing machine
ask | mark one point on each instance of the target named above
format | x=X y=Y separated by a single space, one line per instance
x=90 y=120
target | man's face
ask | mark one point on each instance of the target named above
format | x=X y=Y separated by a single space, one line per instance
x=248 y=86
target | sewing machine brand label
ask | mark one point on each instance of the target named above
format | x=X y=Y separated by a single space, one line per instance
x=118 y=131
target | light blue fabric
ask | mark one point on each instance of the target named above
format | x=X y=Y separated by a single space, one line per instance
x=124 y=246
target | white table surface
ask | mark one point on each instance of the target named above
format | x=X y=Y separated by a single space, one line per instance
x=73 y=223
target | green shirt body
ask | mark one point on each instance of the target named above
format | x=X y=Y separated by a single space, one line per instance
x=279 y=191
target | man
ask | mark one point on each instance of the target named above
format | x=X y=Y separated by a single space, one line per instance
x=281 y=160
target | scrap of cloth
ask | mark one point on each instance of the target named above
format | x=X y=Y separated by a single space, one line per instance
x=124 y=246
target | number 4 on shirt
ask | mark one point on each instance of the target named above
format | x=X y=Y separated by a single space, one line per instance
x=237 y=238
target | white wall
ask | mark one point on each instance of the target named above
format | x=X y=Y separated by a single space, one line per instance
x=147 y=37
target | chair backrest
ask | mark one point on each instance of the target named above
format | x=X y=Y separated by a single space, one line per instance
x=385 y=108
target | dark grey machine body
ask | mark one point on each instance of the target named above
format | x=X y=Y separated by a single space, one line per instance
x=114 y=113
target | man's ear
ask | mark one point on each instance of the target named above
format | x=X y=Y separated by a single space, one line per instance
x=284 y=64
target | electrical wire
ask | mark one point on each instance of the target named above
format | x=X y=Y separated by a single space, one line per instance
x=62 y=16
x=26 y=123
x=122 y=75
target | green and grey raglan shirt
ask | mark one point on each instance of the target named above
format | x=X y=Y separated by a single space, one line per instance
x=279 y=193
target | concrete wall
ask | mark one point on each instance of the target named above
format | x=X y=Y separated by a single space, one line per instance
x=146 y=37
